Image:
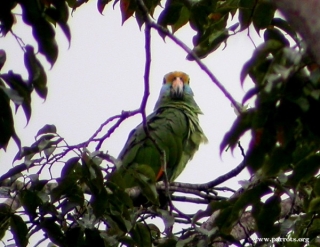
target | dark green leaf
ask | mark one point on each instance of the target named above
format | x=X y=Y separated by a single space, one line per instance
x=183 y=19
x=276 y=34
x=279 y=160
x=141 y=235
x=211 y=208
x=3 y=58
x=6 y=119
x=119 y=221
x=229 y=6
x=199 y=13
x=259 y=58
x=53 y=14
x=44 y=34
x=171 y=13
x=44 y=143
x=127 y=7
x=13 y=95
x=239 y=127
x=250 y=93
x=53 y=230
x=16 y=82
x=66 y=30
x=49 y=151
x=5 y=213
x=5 y=192
x=119 y=194
x=101 y=4
x=42 y=30
x=19 y=230
x=154 y=231
x=305 y=169
x=38 y=185
x=170 y=242
x=269 y=214
x=71 y=168
x=6 y=17
x=246 y=12
x=48 y=128
x=145 y=178
x=251 y=195
x=314 y=205
x=75 y=236
x=30 y=201
x=71 y=203
x=316 y=187
x=27 y=152
x=167 y=218
x=64 y=188
x=285 y=26
x=63 y=11
x=93 y=174
x=31 y=11
x=93 y=238
x=210 y=44
x=233 y=27
x=313 y=230
x=100 y=202
x=37 y=75
x=263 y=14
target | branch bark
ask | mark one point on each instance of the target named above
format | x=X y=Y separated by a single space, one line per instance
x=246 y=225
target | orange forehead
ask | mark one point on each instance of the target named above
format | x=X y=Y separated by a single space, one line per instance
x=169 y=78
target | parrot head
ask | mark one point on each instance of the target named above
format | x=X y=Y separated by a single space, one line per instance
x=175 y=88
x=177 y=81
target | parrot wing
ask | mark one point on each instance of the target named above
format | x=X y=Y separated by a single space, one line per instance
x=174 y=133
x=167 y=130
x=170 y=138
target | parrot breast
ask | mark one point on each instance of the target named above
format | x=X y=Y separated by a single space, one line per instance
x=173 y=132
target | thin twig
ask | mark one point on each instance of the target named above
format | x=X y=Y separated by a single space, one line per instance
x=146 y=77
x=149 y=22
x=124 y=115
x=234 y=172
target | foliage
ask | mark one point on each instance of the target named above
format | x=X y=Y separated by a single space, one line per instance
x=88 y=205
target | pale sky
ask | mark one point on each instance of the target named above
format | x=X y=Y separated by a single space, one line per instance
x=101 y=74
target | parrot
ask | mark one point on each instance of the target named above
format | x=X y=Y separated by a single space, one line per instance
x=171 y=136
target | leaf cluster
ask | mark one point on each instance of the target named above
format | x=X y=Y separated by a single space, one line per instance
x=283 y=154
x=42 y=16
x=87 y=204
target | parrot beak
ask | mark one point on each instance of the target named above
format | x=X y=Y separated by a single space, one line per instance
x=177 y=88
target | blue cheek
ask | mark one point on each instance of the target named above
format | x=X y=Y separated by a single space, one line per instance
x=187 y=90
x=165 y=90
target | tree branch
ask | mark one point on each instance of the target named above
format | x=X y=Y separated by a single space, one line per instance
x=149 y=22
x=247 y=225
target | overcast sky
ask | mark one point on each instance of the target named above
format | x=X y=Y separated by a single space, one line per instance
x=101 y=74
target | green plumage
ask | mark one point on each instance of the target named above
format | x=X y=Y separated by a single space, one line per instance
x=174 y=129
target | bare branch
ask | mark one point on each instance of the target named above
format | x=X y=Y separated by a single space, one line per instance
x=146 y=76
x=166 y=32
x=189 y=199
x=215 y=182
x=234 y=172
x=124 y=115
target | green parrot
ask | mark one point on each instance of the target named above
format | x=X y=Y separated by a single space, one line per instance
x=174 y=133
